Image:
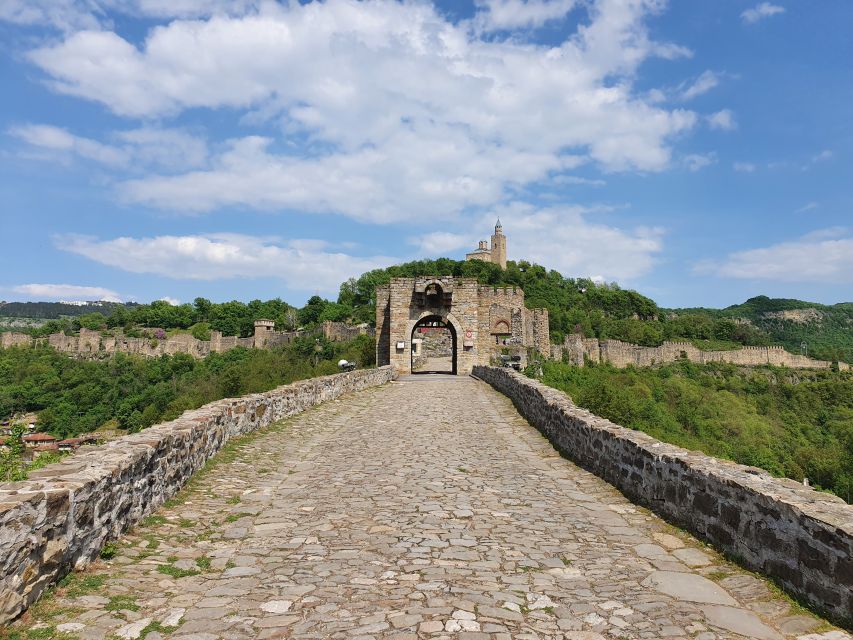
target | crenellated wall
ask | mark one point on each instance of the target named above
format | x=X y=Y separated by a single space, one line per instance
x=801 y=537
x=93 y=344
x=578 y=350
x=62 y=517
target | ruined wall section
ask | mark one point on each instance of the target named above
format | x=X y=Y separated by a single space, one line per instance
x=61 y=518
x=91 y=344
x=801 y=537
x=577 y=350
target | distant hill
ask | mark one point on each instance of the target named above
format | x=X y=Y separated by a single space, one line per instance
x=55 y=310
x=823 y=331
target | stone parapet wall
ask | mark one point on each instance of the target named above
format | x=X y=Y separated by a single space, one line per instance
x=61 y=518
x=800 y=537
x=620 y=354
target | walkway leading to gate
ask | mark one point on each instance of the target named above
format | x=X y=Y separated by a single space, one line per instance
x=426 y=508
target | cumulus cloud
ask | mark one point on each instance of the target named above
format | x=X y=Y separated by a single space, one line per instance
x=146 y=147
x=59 y=141
x=301 y=264
x=560 y=237
x=761 y=11
x=442 y=243
x=172 y=301
x=69 y=292
x=72 y=15
x=723 y=120
x=744 y=167
x=495 y=15
x=823 y=256
x=385 y=109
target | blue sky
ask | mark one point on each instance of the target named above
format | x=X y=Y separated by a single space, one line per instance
x=699 y=152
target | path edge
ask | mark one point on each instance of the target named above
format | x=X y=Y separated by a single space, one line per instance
x=61 y=517
x=799 y=537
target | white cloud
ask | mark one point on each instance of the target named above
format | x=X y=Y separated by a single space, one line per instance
x=302 y=265
x=723 y=120
x=761 y=11
x=386 y=109
x=823 y=256
x=442 y=243
x=72 y=15
x=57 y=140
x=562 y=238
x=172 y=301
x=703 y=84
x=69 y=292
x=169 y=149
x=744 y=167
x=809 y=206
x=495 y=15
x=589 y=182
x=696 y=161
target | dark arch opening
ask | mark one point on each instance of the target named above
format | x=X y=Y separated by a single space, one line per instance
x=433 y=343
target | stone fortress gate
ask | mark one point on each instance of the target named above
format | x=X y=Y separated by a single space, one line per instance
x=483 y=321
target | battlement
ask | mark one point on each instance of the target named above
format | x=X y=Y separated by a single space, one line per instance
x=501 y=292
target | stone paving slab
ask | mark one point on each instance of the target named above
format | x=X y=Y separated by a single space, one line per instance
x=427 y=508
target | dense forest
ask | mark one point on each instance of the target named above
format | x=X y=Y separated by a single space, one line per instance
x=131 y=393
x=793 y=424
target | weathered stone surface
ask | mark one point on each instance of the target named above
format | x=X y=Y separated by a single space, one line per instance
x=63 y=518
x=802 y=537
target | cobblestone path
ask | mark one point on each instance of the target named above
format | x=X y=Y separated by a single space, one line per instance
x=427 y=508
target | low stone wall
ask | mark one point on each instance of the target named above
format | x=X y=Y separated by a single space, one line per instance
x=63 y=515
x=801 y=537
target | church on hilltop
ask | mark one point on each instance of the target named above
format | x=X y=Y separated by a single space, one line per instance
x=497 y=253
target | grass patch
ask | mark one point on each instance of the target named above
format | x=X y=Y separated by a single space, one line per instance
x=174 y=572
x=123 y=602
x=159 y=628
x=462 y=469
x=76 y=585
x=152 y=521
x=234 y=517
x=203 y=563
x=233 y=500
x=185 y=523
x=109 y=551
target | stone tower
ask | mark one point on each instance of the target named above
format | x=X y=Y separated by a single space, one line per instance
x=499 y=245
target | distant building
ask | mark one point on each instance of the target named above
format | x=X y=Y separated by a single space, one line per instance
x=38 y=440
x=497 y=253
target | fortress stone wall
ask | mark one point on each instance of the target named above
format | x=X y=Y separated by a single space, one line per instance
x=578 y=350
x=801 y=537
x=63 y=515
x=92 y=344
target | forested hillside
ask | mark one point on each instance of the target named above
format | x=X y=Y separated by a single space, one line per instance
x=76 y=396
x=608 y=311
x=574 y=304
x=821 y=331
x=793 y=424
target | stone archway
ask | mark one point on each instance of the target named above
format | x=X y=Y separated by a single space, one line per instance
x=447 y=322
x=434 y=344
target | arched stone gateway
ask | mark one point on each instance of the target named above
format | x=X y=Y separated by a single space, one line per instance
x=434 y=345
x=467 y=309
